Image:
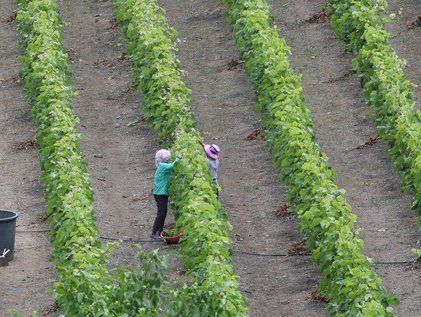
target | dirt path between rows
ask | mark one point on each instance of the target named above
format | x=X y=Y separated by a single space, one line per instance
x=373 y=187
x=25 y=280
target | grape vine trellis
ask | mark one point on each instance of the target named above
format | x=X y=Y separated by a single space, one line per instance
x=80 y=259
x=386 y=89
x=352 y=286
x=214 y=289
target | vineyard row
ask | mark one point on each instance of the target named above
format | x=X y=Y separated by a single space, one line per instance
x=214 y=289
x=352 y=286
x=386 y=89
x=78 y=250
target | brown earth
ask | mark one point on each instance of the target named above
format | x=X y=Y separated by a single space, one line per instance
x=121 y=157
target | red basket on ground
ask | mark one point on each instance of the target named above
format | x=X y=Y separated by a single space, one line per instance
x=173 y=239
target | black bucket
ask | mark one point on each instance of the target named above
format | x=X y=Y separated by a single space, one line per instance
x=7 y=232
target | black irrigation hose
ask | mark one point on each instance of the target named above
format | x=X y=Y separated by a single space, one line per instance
x=395 y=262
x=272 y=254
x=241 y=252
x=130 y=240
x=265 y=254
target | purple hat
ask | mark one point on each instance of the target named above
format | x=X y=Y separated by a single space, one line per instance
x=212 y=150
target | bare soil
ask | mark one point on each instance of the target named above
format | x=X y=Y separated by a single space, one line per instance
x=121 y=157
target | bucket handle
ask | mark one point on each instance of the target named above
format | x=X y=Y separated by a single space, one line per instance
x=5 y=251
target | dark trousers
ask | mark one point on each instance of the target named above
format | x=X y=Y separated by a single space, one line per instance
x=162 y=205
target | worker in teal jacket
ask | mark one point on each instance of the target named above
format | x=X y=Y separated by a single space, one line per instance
x=163 y=172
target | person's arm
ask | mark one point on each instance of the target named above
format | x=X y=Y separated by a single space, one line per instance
x=169 y=166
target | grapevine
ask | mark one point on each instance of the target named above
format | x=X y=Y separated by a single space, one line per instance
x=352 y=286
x=386 y=88
x=80 y=259
x=151 y=47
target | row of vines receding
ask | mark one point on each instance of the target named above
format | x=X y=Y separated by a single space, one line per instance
x=352 y=286
x=80 y=259
x=214 y=289
x=387 y=89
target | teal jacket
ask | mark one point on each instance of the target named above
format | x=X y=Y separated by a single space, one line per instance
x=161 y=180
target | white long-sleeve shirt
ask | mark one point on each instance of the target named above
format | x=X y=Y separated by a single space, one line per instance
x=213 y=169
